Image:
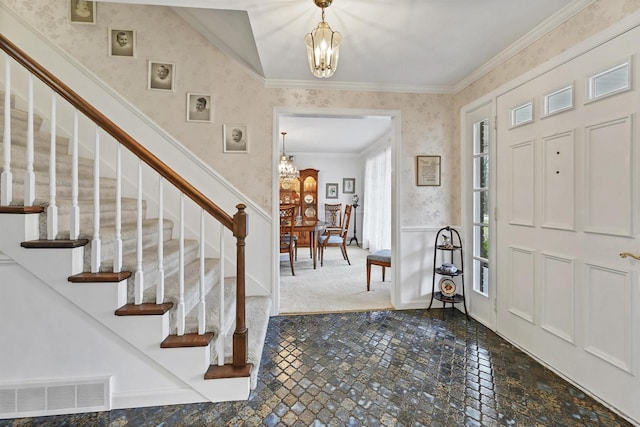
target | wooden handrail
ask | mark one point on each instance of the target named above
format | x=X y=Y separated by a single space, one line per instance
x=116 y=132
x=238 y=224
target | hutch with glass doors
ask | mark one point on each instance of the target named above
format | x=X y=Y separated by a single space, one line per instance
x=302 y=192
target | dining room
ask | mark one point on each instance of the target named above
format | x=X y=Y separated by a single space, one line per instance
x=338 y=163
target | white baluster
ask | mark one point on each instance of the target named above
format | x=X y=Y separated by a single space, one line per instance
x=180 y=314
x=74 y=217
x=96 y=243
x=160 y=285
x=7 y=177
x=117 y=242
x=139 y=277
x=221 y=316
x=202 y=320
x=52 y=209
x=30 y=176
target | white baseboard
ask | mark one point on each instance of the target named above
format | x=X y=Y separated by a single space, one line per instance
x=146 y=398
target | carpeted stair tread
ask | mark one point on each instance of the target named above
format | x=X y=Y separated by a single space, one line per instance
x=12 y=100
x=170 y=259
x=191 y=289
x=41 y=161
x=212 y=302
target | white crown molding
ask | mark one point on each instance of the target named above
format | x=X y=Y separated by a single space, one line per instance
x=356 y=86
x=545 y=27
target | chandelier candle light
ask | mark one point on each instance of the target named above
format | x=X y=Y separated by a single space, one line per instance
x=288 y=171
x=323 y=46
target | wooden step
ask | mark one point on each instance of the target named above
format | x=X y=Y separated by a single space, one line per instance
x=54 y=244
x=146 y=309
x=21 y=209
x=100 y=277
x=187 y=340
x=216 y=372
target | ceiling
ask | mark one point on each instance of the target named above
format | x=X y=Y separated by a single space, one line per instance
x=420 y=46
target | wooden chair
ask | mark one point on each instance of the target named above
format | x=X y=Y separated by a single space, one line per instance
x=333 y=216
x=381 y=258
x=336 y=237
x=287 y=242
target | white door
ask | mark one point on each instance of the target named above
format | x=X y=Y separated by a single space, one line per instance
x=568 y=190
x=479 y=146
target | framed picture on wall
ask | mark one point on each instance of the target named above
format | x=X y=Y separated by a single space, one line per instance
x=428 y=170
x=332 y=190
x=198 y=107
x=348 y=185
x=235 y=138
x=161 y=75
x=82 y=12
x=122 y=43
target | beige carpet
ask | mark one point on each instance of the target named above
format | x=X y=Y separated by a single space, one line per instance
x=335 y=287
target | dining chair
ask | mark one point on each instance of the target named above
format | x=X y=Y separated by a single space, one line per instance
x=333 y=215
x=336 y=237
x=287 y=242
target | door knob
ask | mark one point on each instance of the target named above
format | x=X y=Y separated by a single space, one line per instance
x=626 y=254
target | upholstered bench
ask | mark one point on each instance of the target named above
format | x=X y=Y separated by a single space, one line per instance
x=381 y=258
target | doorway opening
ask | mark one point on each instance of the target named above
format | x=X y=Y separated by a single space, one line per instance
x=337 y=144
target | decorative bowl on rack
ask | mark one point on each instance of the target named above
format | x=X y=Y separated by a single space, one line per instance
x=448 y=268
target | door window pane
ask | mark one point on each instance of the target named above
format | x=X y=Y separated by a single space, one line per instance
x=522 y=114
x=559 y=101
x=608 y=82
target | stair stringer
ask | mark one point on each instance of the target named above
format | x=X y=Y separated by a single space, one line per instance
x=100 y=300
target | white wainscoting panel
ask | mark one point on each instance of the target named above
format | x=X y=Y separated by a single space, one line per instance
x=558 y=181
x=608 y=315
x=558 y=296
x=608 y=168
x=522 y=298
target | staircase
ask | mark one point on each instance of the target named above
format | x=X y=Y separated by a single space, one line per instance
x=135 y=272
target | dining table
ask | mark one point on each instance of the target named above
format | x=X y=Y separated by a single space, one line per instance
x=313 y=227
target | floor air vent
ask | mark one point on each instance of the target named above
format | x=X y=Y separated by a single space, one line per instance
x=30 y=399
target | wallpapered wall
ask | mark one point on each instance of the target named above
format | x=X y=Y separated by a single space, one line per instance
x=430 y=122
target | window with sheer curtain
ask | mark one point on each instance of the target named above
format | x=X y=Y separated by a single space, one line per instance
x=376 y=223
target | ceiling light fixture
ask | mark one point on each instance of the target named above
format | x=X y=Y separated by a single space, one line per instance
x=288 y=171
x=323 y=46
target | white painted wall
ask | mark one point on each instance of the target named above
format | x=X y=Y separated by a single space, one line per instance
x=56 y=340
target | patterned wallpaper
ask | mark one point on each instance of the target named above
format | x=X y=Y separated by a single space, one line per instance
x=430 y=122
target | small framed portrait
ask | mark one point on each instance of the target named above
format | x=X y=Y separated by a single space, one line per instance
x=122 y=43
x=235 y=138
x=332 y=190
x=348 y=185
x=428 y=171
x=161 y=75
x=198 y=107
x=82 y=12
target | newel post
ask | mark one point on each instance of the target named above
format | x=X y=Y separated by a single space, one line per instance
x=240 y=335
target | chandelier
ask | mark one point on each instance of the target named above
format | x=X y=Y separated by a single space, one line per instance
x=323 y=46
x=288 y=171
